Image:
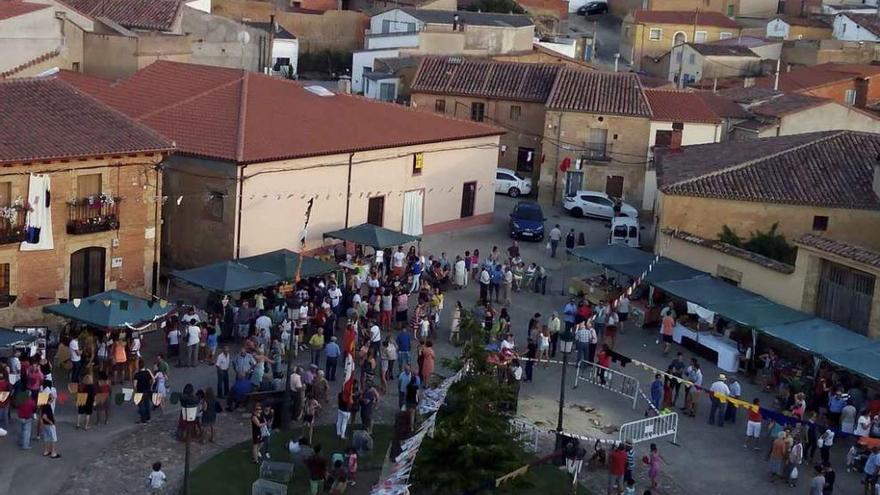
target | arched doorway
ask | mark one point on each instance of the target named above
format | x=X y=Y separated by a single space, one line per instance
x=87 y=272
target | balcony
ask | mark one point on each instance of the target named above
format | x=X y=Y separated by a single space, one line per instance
x=596 y=152
x=93 y=214
x=12 y=225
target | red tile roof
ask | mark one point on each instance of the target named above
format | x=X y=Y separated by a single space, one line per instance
x=599 y=92
x=239 y=116
x=787 y=103
x=806 y=78
x=158 y=15
x=860 y=254
x=723 y=107
x=669 y=105
x=833 y=169
x=13 y=8
x=715 y=19
x=485 y=78
x=48 y=119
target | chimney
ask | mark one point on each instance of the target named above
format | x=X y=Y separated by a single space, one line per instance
x=343 y=85
x=675 y=139
x=862 y=86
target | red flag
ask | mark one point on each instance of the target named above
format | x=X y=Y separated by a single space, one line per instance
x=565 y=165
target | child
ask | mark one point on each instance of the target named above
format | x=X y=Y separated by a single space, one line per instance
x=161 y=389
x=352 y=462
x=630 y=488
x=338 y=475
x=213 y=341
x=50 y=436
x=851 y=458
x=156 y=478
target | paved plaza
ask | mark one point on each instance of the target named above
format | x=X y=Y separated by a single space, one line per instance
x=707 y=460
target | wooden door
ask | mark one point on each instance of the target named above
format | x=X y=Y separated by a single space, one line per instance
x=376 y=211
x=614 y=186
x=87 y=272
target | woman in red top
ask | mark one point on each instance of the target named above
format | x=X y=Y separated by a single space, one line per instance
x=583 y=312
x=603 y=358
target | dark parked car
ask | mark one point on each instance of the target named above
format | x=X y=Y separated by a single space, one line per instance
x=527 y=221
x=593 y=8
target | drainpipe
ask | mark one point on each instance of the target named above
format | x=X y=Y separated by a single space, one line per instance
x=348 y=189
x=240 y=207
x=156 y=225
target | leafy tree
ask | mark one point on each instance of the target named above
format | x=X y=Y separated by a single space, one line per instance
x=771 y=244
x=729 y=236
x=498 y=6
x=472 y=441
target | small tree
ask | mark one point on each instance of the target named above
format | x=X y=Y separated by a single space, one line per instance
x=498 y=6
x=729 y=236
x=771 y=244
x=472 y=441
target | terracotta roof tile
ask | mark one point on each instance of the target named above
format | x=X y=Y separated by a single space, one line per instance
x=485 y=78
x=832 y=169
x=599 y=92
x=48 y=119
x=679 y=106
x=684 y=17
x=723 y=107
x=134 y=14
x=730 y=250
x=30 y=63
x=868 y=21
x=12 y=8
x=806 y=78
x=786 y=104
x=860 y=254
x=243 y=117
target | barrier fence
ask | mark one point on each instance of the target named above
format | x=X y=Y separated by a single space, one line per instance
x=608 y=379
x=650 y=428
x=527 y=432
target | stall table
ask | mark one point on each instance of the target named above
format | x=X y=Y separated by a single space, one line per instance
x=728 y=354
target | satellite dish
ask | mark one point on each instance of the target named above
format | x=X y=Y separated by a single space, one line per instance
x=244 y=37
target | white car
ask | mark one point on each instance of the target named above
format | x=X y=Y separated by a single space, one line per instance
x=595 y=204
x=511 y=183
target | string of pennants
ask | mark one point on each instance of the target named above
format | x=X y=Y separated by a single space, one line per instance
x=397 y=481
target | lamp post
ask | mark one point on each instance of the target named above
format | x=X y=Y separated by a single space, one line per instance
x=566 y=343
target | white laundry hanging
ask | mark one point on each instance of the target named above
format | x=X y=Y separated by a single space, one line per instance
x=39 y=219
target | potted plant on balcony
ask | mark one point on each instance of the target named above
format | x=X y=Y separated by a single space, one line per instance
x=96 y=213
x=12 y=221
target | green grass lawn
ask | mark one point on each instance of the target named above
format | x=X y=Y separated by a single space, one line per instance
x=231 y=472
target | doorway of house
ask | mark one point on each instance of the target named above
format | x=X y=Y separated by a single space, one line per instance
x=614 y=186
x=87 y=272
x=468 y=199
x=376 y=211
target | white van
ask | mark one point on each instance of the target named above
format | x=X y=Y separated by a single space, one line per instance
x=624 y=230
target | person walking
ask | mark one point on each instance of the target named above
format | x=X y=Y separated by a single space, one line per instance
x=193 y=336
x=316 y=345
x=581 y=342
x=554 y=325
x=343 y=415
x=221 y=363
x=753 y=425
x=26 y=410
x=794 y=460
x=657 y=391
x=616 y=469
x=717 y=389
x=143 y=385
x=331 y=357
x=654 y=460
x=555 y=236
x=826 y=441
x=85 y=401
x=485 y=280
x=403 y=380
x=569 y=243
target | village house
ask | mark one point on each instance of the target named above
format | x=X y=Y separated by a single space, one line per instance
x=35 y=38
x=506 y=94
x=595 y=135
x=848 y=84
x=833 y=219
x=817 y=52
x=97 y=230
x=797 y=28
x=245 y=176
x=850 y=26
x=781 y=114
x=653 y=34
x=729 y=8
x=696 y=62
x=402 y=32
x=678 y=118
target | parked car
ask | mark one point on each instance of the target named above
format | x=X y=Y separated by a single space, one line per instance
x=596 y=204
x=511 y=183
x=625 y=231
x=527 y=221
x=593 y=8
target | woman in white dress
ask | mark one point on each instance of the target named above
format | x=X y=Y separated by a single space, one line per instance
x=459 y=273
x=456 y=323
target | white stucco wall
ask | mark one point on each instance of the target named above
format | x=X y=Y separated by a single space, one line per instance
x=847 y=30
x=372 y=88
x=274 y=204
x=829 y=117
x=365 y=58
x=203 y=5
x=374 y=42
x=28 y=36
x=777 y=28
x=400 y=22
x=286 y=49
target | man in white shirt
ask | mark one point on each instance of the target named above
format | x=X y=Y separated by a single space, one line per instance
x=263 y=325
x=555 y=237
x=397 y=260
x=75 y=359
x=174 y=343
x=335 y=295
x=375 y=339
x=192 y=345
x=485 y=280
x=718 y=387
x=222 y=365
x=623 y=311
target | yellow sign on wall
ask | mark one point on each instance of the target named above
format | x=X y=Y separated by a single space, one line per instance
x=418 y=162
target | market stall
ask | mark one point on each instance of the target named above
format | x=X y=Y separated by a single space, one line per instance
x=113 y=310
x=287 y=264
x=227 y=276
x=726 y=349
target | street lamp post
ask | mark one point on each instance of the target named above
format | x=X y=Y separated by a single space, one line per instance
x=566 y=343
